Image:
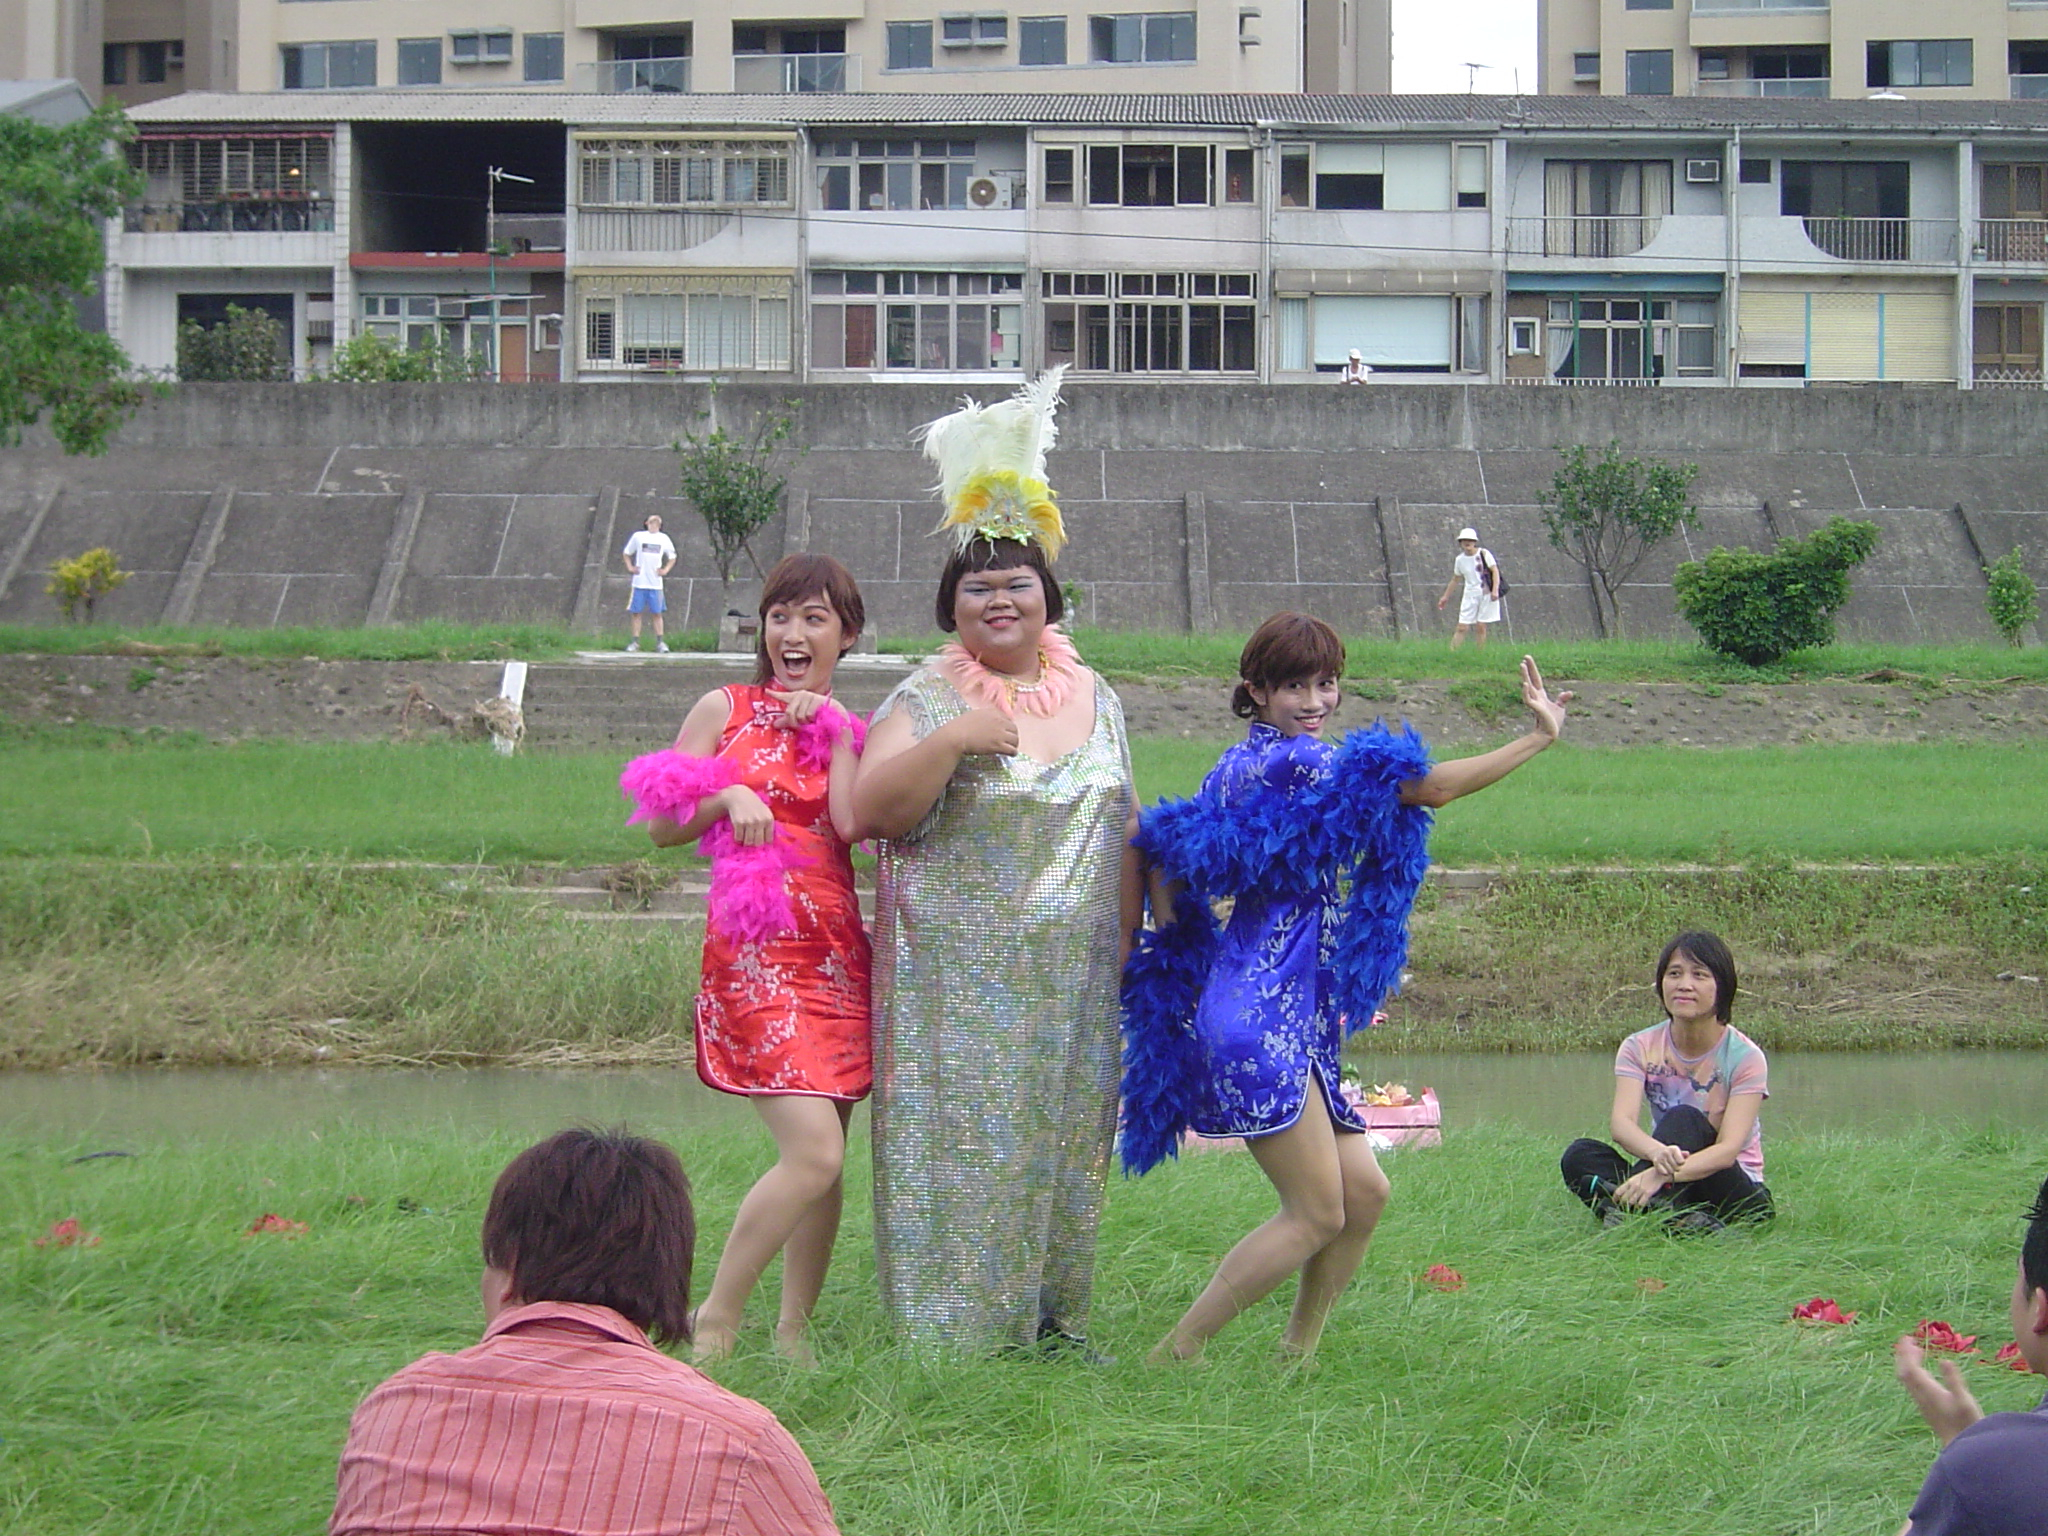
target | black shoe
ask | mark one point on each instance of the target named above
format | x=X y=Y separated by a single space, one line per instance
x=1695 y=1223
x=1607 y=1213
x=1054 y=1340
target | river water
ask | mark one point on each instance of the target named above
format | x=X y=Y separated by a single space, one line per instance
x=1559 y=1095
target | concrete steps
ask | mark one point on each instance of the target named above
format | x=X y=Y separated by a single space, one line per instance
x=636 y=702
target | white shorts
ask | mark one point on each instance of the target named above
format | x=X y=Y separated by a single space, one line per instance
x=1478 y=608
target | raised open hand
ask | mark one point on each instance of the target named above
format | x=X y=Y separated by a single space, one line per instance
x=1549 y=711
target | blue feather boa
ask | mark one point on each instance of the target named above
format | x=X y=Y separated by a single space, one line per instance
x=1313 y=819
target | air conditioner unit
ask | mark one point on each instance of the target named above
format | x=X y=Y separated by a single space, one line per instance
x=988 y=192
x=1703 y=170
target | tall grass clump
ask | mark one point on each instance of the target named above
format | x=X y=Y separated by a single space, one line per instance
x=208 y=961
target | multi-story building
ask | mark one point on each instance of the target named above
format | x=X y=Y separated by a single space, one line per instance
x=1985 y=49
x=1450 y=239
x=140 y=50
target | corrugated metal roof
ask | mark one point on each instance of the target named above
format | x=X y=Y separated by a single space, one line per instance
x=1469 y=114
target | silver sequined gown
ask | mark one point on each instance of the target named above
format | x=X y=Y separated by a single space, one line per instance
x=995 y=1006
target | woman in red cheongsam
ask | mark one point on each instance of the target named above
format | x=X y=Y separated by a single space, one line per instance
x=764 y=774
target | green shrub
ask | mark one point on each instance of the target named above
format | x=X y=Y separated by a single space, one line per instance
x=85 y=579
x=1759 y=608
x=248 y=348
x=2011 y=601
x=371 y=359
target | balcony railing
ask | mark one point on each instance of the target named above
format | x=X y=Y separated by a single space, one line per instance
x=2007 y=376
x=2012 y=240
x=2028 y=87
x=240 y=216
x=1579 y=236
x=793 y=74
x=1770 y=88
x=1923 y=240
x=666 y=77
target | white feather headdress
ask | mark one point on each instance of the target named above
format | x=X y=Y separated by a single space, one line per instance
x=991 y=462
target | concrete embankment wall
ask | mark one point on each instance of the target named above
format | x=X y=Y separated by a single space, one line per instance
x=1190 y=506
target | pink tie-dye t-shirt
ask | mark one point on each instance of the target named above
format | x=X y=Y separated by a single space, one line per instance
x=1706 y=1083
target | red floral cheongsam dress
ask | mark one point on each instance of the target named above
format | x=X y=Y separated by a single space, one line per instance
x=790 y=1014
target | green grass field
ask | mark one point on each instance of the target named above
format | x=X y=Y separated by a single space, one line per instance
x=1917 y=801
x=1120 y=653
x=180 y=1377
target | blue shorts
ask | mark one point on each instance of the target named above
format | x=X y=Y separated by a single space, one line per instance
x=647 y=600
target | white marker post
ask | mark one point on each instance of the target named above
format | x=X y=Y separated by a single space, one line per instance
x=512 y=689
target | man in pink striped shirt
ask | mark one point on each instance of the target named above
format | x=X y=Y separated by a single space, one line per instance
x=566 y=1420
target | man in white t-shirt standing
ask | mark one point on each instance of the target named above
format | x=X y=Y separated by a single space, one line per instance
x=650 y=555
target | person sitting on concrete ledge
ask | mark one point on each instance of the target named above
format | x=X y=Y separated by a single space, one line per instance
x=1991 y=1477
x=566 y=1418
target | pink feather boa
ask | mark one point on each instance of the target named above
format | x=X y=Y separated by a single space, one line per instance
x=749 y=897
x=670 y=783
x=815 y=738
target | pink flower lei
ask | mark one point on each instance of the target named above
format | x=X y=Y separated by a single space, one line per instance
x=1059 y=669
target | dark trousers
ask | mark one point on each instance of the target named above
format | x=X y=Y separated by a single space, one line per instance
x=1592 y=1169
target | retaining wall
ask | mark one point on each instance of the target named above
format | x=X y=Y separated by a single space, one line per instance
x=1190 y=506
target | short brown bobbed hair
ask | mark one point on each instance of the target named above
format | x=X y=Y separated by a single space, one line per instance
x=600 y=1217
x=1285 y=649
x=796 y=577
x=1710 y=950
x=983 y=554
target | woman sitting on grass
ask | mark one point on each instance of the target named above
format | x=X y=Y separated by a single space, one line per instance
x=1702 y=1160
x=1239 y=1035
x=764 y=774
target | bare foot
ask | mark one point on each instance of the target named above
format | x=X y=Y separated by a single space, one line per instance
x=793 y=1343
x=1175 y=1350
x=710 y=1341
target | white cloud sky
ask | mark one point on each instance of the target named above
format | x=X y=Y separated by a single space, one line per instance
x=1434 y=41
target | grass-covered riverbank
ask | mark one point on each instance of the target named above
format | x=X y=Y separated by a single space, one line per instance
x=181 y=1377
x=1119 y=653
x=447 y=802
x=249 y=960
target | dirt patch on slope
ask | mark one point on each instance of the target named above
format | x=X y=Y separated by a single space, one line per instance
x=232 y=698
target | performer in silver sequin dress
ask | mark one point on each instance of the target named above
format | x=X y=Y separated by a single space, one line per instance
x=996 y=966
x=1000 y=783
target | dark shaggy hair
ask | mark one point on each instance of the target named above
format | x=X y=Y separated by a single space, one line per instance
x=2034 y=1251
x=1708 y=949
x=979 y=554
x=600 y=1217
x=1285 y=649
x=797 y=577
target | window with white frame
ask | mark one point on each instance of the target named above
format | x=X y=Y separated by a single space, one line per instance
x=1151 y=322
x=480 y=45
x=894 y=173
x=682 y=173
x=1631 y=336
x=1142 y=37
x=937 y=321
x=704 y=324
x=465 y=324
x=328 y=66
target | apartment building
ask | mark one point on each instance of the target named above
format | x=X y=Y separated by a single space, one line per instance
x=137 y=51
x=1527 y=240
x=1987 y=50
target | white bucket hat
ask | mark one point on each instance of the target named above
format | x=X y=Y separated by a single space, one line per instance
x=1468 y=533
